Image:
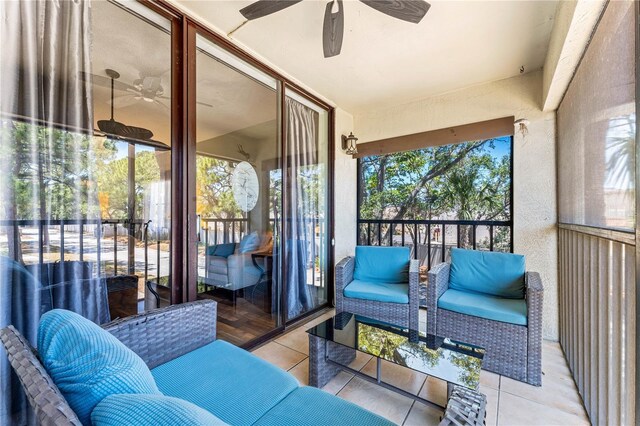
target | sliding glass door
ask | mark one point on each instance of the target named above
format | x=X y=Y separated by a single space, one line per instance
x=237 y=186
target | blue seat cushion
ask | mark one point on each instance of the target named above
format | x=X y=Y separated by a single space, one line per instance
x=222 y=250
x=497 y=274
x=382 y=264
x=311 y=406
x=379 y=292
x=234 y=385
x=88 y=363
x=513 y=311
x=151 y=410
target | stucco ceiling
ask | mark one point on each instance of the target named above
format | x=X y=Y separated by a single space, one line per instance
x=385 y=61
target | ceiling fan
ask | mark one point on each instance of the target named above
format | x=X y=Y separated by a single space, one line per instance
x=145 y=88
x=116 y=128
x=333 y=27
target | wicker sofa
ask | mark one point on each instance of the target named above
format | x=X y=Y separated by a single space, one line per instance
x=513 y=348
x=368 y=302
x=179 y=345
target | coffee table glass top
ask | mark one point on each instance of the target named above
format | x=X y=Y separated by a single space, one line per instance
x=455 y=362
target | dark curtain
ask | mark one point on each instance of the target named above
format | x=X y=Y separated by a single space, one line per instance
x=45 y=146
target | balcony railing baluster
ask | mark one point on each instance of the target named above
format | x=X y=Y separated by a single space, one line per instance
x=429 y=227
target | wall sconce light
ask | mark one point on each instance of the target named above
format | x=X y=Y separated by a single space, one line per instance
x=522 y=126
x=349 y=144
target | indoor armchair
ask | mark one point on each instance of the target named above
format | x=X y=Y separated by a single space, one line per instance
x=380 y=283
x=487 y=299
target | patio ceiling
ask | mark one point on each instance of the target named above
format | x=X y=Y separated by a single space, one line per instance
x=385 y=61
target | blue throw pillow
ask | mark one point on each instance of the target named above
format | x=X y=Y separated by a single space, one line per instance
x=250 y=242
x=388 y=265
x=88 y=363
x=494 y=273
x=151 y=410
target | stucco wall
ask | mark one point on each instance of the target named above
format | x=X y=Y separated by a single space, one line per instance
x=345 y=193
x=535 y=233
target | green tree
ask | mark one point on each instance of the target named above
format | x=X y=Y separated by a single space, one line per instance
x=214 y=190
x=465 y=181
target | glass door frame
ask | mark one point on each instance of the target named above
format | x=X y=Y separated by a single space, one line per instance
x=183 y=152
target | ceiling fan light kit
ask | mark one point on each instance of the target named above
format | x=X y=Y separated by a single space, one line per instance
x=333 y=28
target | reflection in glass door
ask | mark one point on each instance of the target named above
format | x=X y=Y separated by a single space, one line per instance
x=237 y=193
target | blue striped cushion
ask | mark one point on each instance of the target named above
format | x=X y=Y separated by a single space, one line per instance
x=236 y=386
x=151 y=410
x=88 y=363
x=311 y=406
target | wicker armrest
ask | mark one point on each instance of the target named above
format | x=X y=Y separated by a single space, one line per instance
x=164 y=334
x=534 y=295
x=438 y=278
x=344 y=272
x=535 y=299
x=438 y=283
x=414 y=294
x=49 y=406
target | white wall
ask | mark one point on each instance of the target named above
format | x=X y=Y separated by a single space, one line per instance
x=535 y=220
x=345 y=193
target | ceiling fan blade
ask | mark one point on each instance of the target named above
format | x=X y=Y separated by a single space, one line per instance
x=125 y=101
x=265 y=7
x=332 y=30
x=99 y=80
x=407 y=10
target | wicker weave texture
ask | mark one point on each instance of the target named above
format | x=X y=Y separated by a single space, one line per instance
x=320 y=371
x=406 y=315
x=513 y=351
x=165 y=334
x=50 y=407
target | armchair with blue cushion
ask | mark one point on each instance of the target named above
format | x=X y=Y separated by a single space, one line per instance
x=487 y=299
x=380 y=283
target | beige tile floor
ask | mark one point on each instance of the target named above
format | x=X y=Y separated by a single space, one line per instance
x=510 y=402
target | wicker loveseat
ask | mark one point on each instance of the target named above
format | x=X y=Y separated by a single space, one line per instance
x=498 y=307
x=179 y=345
x=380 y=283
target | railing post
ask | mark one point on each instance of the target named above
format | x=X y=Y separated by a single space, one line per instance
x=115 y=248
x=444 y=239
x=61 y=241
x=490 y=237
x=416 y=241
x=81 y=240
x=428 y=246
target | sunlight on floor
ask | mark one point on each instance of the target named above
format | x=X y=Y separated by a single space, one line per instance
x=509 y=402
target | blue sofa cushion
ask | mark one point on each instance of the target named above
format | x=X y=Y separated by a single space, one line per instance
x=250 y=242
x=222 y=250
x=497 y=274
x=311 y=406
x=379 y=292
x=382 y=264
x=151 y=410
x=234 y=385
x=88 y=363
x=513 y=311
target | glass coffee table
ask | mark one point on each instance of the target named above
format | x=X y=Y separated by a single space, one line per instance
x=333 y=345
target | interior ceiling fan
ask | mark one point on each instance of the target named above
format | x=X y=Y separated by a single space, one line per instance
x=116 y=128
x=333 y=27
x=145 y=88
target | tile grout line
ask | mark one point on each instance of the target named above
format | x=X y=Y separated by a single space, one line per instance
x=408 y=412
x=287 y=347
x=298 y=364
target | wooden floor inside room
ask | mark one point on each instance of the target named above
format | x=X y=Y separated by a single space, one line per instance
x=243 y=322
